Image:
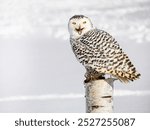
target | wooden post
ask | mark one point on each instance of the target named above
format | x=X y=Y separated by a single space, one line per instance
x=99 y=96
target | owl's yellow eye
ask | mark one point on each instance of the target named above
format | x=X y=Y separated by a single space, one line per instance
x=74 y=23
x=84 y=22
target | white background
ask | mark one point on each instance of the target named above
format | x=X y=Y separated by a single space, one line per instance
x=7 y=121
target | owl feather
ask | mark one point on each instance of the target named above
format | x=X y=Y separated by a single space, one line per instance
x=99 y=51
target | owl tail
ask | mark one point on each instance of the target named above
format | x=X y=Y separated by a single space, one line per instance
x=122 y=75
x=124 y=70
x=125 y=76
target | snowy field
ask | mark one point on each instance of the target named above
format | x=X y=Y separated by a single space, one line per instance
x=39 y=72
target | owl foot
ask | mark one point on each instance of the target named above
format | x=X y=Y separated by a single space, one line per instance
x=86 y=80
x=101 y=77
x=92 y=78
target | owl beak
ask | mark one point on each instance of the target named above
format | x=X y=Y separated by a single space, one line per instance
x=79 y=30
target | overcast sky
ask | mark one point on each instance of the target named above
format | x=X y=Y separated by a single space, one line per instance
x=38 y=70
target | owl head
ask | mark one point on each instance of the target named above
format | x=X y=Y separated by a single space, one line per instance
x=79 y=25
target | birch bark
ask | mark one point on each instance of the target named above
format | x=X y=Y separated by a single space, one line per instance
x=99 y=96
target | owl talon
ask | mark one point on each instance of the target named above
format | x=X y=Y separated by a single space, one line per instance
x=86 y=80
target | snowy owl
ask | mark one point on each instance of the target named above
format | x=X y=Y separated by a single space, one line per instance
x=99 y=52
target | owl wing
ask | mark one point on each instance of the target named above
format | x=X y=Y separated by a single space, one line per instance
x=100 y=51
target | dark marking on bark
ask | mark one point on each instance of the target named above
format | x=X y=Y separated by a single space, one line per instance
x=106 y=96
x=95 y=107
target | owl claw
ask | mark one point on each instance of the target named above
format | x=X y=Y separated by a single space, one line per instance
x=86 y=80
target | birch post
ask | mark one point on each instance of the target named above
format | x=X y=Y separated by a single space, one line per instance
x=99 y=96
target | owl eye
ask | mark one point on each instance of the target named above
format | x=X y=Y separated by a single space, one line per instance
x=84 y=22
x=74 y=23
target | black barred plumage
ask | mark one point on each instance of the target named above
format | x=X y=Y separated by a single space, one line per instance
x=100 y=53
x=77 y=17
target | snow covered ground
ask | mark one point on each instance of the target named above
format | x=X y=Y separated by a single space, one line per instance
x=38 y=71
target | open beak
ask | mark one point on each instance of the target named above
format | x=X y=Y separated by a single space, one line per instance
x=79 y=30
